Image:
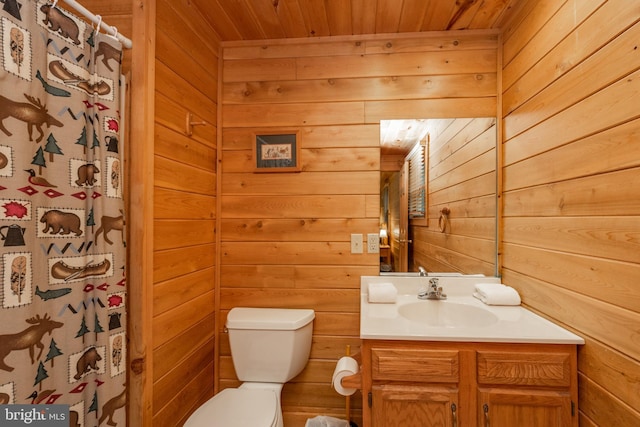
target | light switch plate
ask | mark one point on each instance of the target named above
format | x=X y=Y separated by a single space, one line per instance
x=356 y=243
x=373 y=243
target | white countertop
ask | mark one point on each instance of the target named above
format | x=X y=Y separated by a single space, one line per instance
x=514 y=324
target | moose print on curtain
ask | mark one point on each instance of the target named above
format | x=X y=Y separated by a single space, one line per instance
x=62 y=246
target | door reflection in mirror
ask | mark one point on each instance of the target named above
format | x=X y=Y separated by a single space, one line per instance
x=460 y=175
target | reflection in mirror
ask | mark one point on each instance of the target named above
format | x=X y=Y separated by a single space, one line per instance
x=457 y=232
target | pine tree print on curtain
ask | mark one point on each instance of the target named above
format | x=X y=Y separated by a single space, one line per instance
x=62 y=248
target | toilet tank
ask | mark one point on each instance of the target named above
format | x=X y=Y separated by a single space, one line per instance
x=269 y=344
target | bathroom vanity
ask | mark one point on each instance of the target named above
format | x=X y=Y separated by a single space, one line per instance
x=463 y=364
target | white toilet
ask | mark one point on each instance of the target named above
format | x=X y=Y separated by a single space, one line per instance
x=269 y=346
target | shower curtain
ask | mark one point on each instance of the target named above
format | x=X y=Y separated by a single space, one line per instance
x=62 y=246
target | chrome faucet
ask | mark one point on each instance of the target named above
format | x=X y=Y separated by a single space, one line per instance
x=434 y=291
x=423 y=272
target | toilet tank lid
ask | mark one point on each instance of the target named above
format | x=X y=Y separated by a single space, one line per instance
x=269 y=318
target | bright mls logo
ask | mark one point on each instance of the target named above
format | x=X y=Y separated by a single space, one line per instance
x=34 y=415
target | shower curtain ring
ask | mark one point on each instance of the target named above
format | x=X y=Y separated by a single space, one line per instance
x=99 y=18
x=115 y=32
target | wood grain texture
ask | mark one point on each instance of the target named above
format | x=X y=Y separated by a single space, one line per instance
x=265 y=21
x=185 y=190
x=283 y=276
x=285 y=238
x=408 y=405
x=603 y=365
x=171 y=353
x=570 y=169
x=191 y=396
x=532 y=369
x=597 y=71
x=571 y=221
x=173 y=263
x=419 y=365
x=518 y=382
x=437 y=85
x=609 y=409
x=534 y=407
x=461 y=171
x=140 y=242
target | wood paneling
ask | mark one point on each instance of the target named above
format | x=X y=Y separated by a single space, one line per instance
x=569 y=79
x=255 y=20
x=285 y=237
x=399 y=64
x=192 y=395
x=184 y=294
x=167 y=358
x=601 y=364
x=461 y=177
x=284 y=276
x=440 y=85
x=172 y=207
x=571 y=174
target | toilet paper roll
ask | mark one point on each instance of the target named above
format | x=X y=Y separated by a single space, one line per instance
x=346 y=366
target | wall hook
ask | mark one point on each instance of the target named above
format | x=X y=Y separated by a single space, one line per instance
x=444 y=218
x=190 y=124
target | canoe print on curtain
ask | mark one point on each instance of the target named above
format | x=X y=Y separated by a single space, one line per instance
x=62 y=246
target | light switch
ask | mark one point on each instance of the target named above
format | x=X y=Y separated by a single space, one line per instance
x=356 y=243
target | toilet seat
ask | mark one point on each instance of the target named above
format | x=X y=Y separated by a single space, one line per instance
x=235 y=407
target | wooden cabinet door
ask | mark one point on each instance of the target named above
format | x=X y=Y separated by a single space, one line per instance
x=414 y=406
x=524 y=407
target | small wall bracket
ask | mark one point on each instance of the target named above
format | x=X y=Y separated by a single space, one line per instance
x=189 y=124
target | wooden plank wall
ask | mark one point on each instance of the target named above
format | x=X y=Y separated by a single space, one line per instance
x=571 y=84
x=181 y=324
x=285 y=237
x=462 y=178
x=184 y=194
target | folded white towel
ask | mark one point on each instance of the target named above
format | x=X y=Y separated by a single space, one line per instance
x=496 y=294
x=382 y=293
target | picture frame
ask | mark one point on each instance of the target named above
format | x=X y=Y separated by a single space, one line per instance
x=277 y=151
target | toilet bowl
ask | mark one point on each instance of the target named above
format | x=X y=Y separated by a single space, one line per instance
x=235 y=407
x=269 y=346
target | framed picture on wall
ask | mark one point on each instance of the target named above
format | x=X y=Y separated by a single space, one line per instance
x=276 y=152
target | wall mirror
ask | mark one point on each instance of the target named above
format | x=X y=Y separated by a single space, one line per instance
x=456 y=230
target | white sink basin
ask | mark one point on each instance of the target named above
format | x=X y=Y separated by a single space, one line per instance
x=447 y=314
x=460 y=318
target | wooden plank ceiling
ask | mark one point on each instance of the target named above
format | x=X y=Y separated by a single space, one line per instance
x=241 y=20
x=236 y=20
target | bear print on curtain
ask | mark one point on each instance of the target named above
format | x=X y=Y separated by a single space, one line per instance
x=62 y=246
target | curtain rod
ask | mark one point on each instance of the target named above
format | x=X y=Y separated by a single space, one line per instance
x=97 y=19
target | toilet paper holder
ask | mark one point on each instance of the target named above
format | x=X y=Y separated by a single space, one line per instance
x=352 y=381
x=355 y=380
